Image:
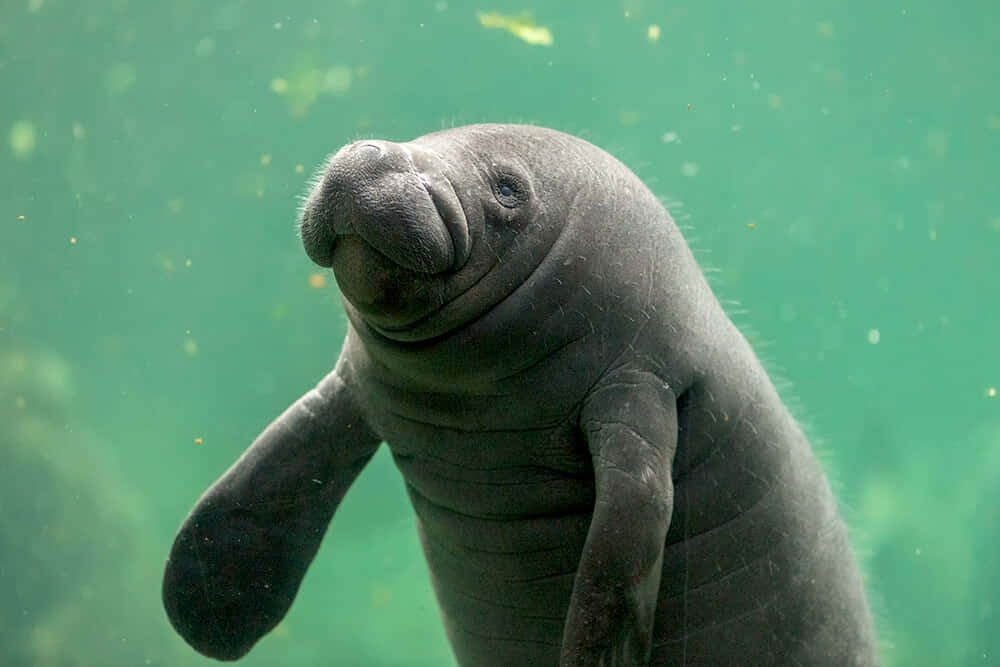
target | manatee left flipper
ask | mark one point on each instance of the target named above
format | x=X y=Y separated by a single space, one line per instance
x=629 y=422
x=241 y=554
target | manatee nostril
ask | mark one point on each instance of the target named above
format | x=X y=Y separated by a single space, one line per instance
x=367 y=150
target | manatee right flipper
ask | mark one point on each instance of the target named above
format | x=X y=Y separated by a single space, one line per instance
x=241 y=554
x=629 y=422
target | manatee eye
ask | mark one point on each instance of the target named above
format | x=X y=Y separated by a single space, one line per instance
x=509 y=191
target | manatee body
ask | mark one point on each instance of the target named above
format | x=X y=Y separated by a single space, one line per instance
x=602 y=472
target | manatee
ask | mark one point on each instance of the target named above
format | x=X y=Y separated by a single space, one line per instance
x=601 y=470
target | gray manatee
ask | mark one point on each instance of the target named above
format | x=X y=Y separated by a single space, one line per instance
x=601 y=470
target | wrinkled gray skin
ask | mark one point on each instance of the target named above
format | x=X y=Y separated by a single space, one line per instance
x=602 y=472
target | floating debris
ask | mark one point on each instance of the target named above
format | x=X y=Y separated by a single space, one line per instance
x=23 y=138
x=937 y=143
x=628 y=117
x=522 y=27
x=205 y=47
x=306 y=83
x=120 y=78
x=653 y=33
x=689 y=169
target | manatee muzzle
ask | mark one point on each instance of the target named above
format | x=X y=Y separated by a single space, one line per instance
x=397 y=198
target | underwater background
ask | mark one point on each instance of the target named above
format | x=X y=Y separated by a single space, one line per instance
x=834 y=164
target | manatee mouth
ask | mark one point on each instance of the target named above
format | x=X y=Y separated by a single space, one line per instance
x=397 y=199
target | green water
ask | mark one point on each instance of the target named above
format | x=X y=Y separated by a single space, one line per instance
x=838 y=165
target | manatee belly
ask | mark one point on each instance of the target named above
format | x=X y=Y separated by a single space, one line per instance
x=502 y=518
x=757 y=567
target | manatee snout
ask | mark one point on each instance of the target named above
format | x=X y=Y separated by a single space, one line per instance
x=394 y=197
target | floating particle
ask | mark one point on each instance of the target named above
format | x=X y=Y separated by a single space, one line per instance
x=265 y=159
x=653 y=32
x=338 y=79
x=23 y=138
x=20 y=217
x=299 y=169
x=522 y=27
x=191 y=347
x=991 y=392
x=937 y=143
x=825 y=29
x=670 y=137
x=120 y=78
x=79 y=131
x=198 y=441
x=774 y=101
x=317 y=280
x=187 y=263
x=750 y=225
x=307 y=82
x=72 y=240
x=628 y=117
x=874 y=336
x=205 y=47
x=689 y=169
x=381 y=597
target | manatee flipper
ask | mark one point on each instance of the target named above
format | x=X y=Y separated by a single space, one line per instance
x=629 y=422
x=241 y=554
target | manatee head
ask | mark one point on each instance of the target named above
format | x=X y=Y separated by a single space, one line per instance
x=426 y=235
